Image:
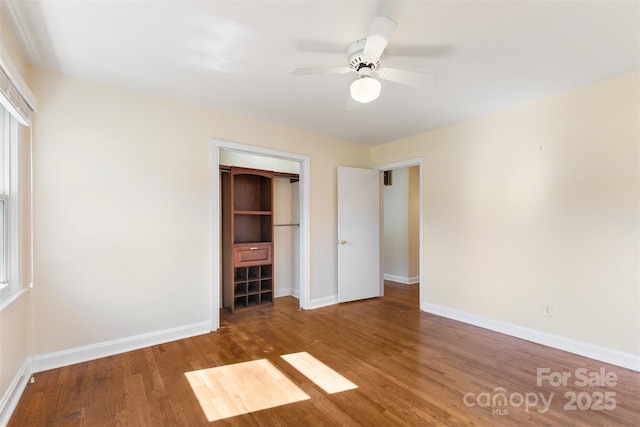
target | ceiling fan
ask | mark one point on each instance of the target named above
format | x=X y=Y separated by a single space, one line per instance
x=364 y=59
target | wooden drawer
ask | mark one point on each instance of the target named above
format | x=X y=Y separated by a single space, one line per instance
x=245 y=255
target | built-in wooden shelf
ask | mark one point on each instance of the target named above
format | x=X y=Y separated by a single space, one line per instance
x=247 y=238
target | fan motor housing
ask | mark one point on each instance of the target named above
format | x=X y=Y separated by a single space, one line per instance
x=357 y=60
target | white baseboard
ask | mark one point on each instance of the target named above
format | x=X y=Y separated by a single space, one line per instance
x=323 y=302
x=282 y=292
x=592 y=351
x=85 y=353
x=286 y=292
x=402 y=279
x=12 y=395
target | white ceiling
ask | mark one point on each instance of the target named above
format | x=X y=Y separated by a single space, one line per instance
x=237 y=56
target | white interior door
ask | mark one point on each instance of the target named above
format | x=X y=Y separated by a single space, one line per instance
x=359 y=267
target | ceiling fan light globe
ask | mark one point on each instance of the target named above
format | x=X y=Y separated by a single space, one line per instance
x=365 y=89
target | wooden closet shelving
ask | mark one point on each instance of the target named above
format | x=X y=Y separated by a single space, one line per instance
x=247 y=238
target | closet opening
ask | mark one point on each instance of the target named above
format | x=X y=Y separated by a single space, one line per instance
x=272 y=218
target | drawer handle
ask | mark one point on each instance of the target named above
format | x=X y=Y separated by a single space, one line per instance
x=253 y=249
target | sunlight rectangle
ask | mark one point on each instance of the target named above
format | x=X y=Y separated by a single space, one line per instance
x=322 y=375
x=241 y=388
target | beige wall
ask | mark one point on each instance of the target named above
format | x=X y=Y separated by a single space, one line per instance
x=286 y=238
x=13 y=343
x=122 y=209
x=14 y=320
x=538 y=205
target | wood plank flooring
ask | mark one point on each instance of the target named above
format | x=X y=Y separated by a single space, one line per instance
x=411 y=369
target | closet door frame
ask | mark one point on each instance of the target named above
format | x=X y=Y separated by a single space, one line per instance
x=304 y=247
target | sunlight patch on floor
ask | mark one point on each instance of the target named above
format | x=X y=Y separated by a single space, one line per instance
x=241 y=388
x=323 y=376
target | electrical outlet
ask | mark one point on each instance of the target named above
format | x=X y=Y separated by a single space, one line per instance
x=548 y=310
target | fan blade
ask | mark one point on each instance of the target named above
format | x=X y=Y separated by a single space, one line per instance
x=382 y=28
x=321 y=70
x=407 y=77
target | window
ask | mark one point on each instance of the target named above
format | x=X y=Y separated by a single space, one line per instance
x=10 y=222
x=17 y=104
x=4 y=223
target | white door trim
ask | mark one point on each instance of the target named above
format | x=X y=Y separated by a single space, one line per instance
x=305 y=225
x=418 y=161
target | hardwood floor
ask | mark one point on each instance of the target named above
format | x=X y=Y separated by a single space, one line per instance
x=411 y=368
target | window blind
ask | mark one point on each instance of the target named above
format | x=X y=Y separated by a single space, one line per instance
x=14 y=93
x=13 y=101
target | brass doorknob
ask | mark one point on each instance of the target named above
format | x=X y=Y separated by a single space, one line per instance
x=342 y=242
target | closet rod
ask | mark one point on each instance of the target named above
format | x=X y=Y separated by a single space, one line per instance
x=286 y=225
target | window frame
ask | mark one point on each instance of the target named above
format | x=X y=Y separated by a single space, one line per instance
x=4 y=241
x=11 y=285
